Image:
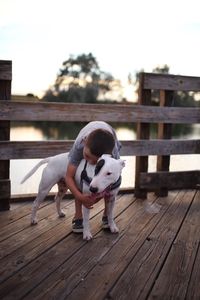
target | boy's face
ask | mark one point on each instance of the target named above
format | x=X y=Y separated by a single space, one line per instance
x=91 y=158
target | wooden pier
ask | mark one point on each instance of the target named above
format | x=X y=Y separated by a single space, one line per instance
x=156 y=255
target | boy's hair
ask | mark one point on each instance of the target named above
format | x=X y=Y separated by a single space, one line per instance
x=100 y=142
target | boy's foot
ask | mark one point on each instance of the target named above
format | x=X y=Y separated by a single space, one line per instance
x=105 y=222
x=77 y=225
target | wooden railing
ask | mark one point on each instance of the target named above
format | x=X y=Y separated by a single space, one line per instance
x=142 y=114
x=163 y=180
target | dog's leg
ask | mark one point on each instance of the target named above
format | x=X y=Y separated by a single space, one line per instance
x=46 y=183
x=58 y=199
x=110 y=210
x=40 y=197
x=86 y=224
x=62 y=189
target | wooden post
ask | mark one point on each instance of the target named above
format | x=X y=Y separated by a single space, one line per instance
x=5 y=94
x=164 y=132
x=143 y=132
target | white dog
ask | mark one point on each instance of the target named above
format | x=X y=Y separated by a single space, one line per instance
x=102 y=180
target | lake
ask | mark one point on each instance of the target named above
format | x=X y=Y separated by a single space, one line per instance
x=37 y=132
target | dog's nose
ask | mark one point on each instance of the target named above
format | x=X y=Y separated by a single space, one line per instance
x=93 y=189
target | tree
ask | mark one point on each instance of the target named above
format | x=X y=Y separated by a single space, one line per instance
x=79 y=80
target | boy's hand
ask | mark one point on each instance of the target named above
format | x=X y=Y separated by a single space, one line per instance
x=86 y=200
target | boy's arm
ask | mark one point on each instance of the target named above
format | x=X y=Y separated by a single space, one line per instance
x=85 y=199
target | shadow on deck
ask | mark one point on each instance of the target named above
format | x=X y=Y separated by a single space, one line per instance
x=155 y=256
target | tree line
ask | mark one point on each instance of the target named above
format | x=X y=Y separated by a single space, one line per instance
x=80 y=80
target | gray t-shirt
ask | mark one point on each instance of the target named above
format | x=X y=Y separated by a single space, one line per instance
x=76 y=153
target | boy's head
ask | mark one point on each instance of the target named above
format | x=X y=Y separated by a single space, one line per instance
x=97 y=143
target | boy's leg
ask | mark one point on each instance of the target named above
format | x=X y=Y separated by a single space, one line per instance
x=77 y=222
x=78 y=210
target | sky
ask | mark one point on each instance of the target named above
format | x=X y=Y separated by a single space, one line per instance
x=125 y=36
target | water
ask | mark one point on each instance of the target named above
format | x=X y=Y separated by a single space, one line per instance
x=19 y=168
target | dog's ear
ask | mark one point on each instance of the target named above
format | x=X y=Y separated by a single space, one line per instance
x=122 y=163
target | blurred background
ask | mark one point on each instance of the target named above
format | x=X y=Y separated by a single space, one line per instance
x=91 y=51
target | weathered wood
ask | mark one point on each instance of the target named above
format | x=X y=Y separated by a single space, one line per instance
x=4 y=188
x=73 y=112
x=50 y=233
x=5 y=71
x=41 y=149
x=22 y=209
x=193 y=289
x=74 y=271
x=175 y=276
x=171 y=82
x=141 y=273
x=170 y=180
x=143 y=132
x=5 y=94
x=47 y=210
x=153 y=256
x=164 y=132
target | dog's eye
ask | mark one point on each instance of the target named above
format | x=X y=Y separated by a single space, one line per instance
x=108 y=173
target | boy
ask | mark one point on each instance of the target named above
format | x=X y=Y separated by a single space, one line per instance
x=95 y=139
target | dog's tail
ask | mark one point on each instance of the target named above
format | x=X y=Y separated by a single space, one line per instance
x=32 y=171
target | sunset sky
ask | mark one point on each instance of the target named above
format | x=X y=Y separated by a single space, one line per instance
x=124 y=35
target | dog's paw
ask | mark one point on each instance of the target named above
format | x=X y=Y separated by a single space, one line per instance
x=34 y=222
x=87 y=236
x=114 y=228
x=61 y=214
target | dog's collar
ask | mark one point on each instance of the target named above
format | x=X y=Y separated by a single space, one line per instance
x=85 y=178
x=116 y=184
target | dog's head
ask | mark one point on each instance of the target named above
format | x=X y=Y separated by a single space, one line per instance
x=107 y=172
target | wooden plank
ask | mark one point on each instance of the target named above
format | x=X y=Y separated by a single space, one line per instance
x=175 y=276
x=171 y=82
x=59 y=265
x=5 y=70
x=5 y=94
x=73 y=112
x=20 y=210
x=99 y=282
x=164 y=132
x=143 y=271
x=45 y=235
x=47 y=245
x=193 y=290
x=170 y=180
x=18 y=227
x=143 y=132
x=4 y=188
x=41 y=149
x=59 y=284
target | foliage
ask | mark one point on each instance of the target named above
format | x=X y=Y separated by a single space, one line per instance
x=79 y=80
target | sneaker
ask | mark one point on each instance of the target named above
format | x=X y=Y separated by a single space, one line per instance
x=105 y=222
x=77 y=225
